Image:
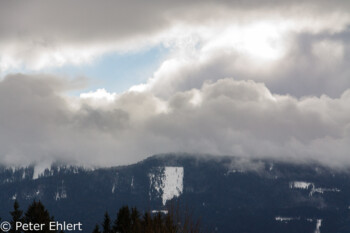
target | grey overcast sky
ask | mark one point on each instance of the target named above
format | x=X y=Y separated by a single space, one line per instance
x=103 y=83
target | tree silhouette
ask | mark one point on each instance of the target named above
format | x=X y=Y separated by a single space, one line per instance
x=37 y=213
x=16 y=217
x=135 y=221
x=106 y=224
x=96 y=229
x=123 y=222
x=170 y=221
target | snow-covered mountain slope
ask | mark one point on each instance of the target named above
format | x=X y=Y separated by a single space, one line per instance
x=166 y=182
x=228 y=194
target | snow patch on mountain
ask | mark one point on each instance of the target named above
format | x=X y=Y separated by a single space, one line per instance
x=113 y=187
x=61 y=192
x=286 y=219
x=166 y=183
x=14 y=197
x=115 y=182
x=232 y=171
x=318 y=225
x=39 y=170
x=300 y=185
x=132 y=182
x=33 y=194
x=159 y=211
x=323 y=190
x=311 y=186
x=8 y=180
x=173 y=184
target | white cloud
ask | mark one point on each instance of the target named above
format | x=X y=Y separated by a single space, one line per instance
x=331 y=52
x=100 y=97
x=287 y=98
x=287 y=61
x=230 y=117
x=38 y=35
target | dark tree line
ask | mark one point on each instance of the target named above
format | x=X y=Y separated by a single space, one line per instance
x=128 y=220
x=36 y=213
x=131 y=221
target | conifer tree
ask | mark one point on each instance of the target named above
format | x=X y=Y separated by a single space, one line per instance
x=16 y=217
x=147 y=223
x=106 y=224
x=96 y=229
x=135 y=221
x=37 y=213
x=171 y=221
x=158 y=223
x=123 y=222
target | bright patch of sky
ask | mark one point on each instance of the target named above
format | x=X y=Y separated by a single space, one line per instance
x=116 y=72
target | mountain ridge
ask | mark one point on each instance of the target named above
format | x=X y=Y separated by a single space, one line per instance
x=227 y=193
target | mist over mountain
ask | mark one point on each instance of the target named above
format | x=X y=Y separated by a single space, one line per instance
x=228 y=194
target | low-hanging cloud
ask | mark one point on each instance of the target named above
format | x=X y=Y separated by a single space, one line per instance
x=39 y=122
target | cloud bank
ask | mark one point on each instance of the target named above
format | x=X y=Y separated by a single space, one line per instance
x=234 y=117
x=43 y=34
x=262 y=79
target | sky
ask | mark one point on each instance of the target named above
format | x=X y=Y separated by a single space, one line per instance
x=105 y=83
